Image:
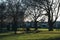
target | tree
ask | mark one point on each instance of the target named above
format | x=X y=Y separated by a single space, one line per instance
x=16 y=11
x=52 y=10
x=2 y=9
x=33 y=13
x=13 y=11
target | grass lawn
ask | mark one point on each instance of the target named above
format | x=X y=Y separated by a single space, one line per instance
x=44 y=34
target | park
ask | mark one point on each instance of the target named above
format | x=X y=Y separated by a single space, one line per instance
x=29 y=19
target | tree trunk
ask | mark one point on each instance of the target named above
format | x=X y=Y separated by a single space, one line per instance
x=8 y=27
x=50 y=23
x=15 y=24
x=35 y=25
x=50 y=27
x=1 y=25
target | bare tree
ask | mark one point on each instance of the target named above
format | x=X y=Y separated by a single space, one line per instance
x=13 y=11
x=52 y=10
x=33 y=13
x=16 y=9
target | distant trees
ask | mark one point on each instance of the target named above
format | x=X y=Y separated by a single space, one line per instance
x=2 y=9
x=11 y=9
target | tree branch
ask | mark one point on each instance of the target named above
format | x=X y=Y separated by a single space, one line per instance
x=57 y=13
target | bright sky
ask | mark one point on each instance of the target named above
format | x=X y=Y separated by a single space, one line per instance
x=58 y=19
x=30 y=20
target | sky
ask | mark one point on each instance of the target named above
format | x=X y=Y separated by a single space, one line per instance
x=58 y=19
x=29 y=19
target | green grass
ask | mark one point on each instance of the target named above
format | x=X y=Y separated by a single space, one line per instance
x=44 y=34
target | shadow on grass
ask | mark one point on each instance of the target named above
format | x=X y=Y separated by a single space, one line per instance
x=28 y=32
x=58 y=38
x=7 y=34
